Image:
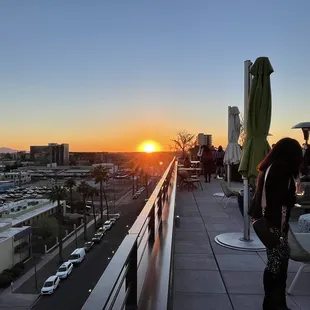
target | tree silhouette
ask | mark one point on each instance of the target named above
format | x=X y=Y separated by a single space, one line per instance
x=101 y=175
x=183 y=142
x=59 y=193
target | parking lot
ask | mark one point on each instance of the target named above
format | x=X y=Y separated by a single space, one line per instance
x=74 y=291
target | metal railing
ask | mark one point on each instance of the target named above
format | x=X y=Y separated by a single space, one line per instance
x=139 y=274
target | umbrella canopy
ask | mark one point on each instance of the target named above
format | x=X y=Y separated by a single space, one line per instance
x=233 y=151
x=256 y=145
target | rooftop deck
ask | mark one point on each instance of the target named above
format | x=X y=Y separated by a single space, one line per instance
x=209 y=276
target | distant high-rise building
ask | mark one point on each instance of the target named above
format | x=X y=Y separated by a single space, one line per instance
x=51 y=153
x=203 y=139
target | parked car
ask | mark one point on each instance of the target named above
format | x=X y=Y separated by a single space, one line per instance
x=97 y=237
x=102 y=230
x=88 y=246
x=116 y=216
x=113 y=220
x=64 y=270
x=77 y=256
x=107 y=225
x=50 y=285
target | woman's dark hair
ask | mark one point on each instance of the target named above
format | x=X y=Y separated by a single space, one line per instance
x=220 y=149
x=286 y=150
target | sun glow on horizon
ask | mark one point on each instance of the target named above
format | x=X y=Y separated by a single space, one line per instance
x=149 y=147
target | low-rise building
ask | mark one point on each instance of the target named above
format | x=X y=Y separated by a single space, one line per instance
x=18 y=177
x=110 y=166
x=16 y=220
x=14 y=245
x=57 y=171
x=27 y=211
x=5 y=185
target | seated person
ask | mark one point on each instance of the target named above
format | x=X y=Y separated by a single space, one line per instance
x=187 y=162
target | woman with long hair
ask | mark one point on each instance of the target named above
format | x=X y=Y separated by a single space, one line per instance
x=276 y=179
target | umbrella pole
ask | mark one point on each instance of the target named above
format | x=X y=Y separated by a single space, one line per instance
x=246 y=222
x=247 y=87
x=228 y=171
x=228 y=175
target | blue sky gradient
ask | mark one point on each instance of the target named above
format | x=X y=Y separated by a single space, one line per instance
x=106 y=75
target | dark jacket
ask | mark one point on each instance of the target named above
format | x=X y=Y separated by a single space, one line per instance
x=280 y=191
x=206 y=157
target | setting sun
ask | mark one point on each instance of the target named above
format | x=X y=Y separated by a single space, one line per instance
x=149 y=147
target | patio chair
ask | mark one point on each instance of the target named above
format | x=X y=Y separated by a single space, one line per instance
x=227 y=194
x=187 y=181
x=300 y=252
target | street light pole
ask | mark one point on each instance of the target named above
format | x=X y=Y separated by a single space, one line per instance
x=35 y=272
x=35 y=264
x=75 y=230
x=114 y=188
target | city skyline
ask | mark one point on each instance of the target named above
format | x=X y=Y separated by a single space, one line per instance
x=107 y=77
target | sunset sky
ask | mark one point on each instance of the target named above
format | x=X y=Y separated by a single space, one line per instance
x=107 y=75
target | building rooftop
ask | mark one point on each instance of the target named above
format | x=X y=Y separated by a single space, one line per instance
x=209 y=276
x=13 y=231
x=51 y=169
x=14 y=173
x=16 y=218
x=3 y=225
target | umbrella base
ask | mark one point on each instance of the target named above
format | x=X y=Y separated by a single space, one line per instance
x=235 y=241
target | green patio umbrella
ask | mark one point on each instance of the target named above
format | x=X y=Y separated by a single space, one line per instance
x=256 y=146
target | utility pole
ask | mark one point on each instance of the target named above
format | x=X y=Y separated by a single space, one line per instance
x=33 y=255
x=114 y=188
x=35 y=272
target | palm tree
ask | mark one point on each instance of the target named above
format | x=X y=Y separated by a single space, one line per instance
x=145 y=180
x=59 y=193
x=70 y=184
x=134 y=172
x=93 y=192
x=101 y=175
x=83 y=189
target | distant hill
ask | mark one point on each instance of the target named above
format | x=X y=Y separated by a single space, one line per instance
x=7 y=150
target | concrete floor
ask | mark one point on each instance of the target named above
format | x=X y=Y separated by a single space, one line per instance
x=209 y=276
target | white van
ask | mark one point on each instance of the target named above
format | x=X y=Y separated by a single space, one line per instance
x=77 y=256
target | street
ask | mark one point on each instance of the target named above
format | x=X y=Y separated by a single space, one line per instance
x=74 y=291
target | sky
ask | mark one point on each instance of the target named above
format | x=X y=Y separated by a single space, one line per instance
x=107 y=75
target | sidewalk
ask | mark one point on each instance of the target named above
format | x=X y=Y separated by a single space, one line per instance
x=15 y=300
x=209 y=276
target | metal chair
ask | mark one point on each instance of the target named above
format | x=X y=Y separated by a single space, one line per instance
x=227 y=194
x=300 y=252
x=187 y=181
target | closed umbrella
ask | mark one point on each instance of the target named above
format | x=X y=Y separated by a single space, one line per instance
x=233 y=150
x=257 y=113
x=256 y=146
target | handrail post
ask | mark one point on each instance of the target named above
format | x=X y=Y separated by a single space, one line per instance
x=152 y=226
x=132 y=280
x=160 y=204
x=165 y=188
